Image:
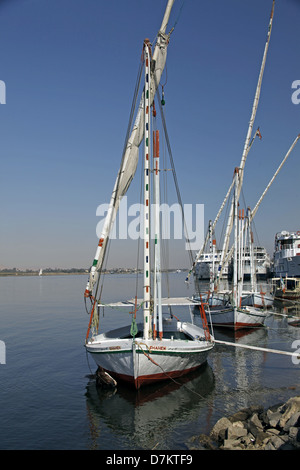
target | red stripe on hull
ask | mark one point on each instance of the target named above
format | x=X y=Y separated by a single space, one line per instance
x=247 y=325
x=148 y=379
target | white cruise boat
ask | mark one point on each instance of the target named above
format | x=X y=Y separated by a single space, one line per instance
x=262 y=264
x=287 y=254
x=208 y=261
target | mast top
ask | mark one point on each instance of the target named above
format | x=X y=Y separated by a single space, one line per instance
x=166 y=17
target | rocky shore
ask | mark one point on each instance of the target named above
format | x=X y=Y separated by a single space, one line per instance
x=255 y=428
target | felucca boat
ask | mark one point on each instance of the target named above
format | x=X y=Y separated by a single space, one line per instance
x=153 y=350
x=233 y=314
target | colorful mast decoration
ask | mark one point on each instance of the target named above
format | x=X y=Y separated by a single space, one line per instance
x=147 y=270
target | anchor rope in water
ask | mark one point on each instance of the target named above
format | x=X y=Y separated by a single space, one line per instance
x=210 y=402
x=166 y=373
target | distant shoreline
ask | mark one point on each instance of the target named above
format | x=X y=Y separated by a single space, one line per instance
x=36 y=274
x=62 y=272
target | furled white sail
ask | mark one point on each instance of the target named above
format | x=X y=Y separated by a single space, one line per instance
x=130 y=158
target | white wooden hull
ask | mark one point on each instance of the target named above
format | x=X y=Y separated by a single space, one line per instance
x=237 y=318
x=141 y=361
x=257 y=299
x=213 y=301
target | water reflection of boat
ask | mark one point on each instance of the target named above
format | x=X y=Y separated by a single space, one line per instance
x=286 y=306
x=251 y=336
x=289 y=309
x=239 y=371
x=148 y=415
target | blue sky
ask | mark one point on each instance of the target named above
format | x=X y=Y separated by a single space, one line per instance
x=70 y=68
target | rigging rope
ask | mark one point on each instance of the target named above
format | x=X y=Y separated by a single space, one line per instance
x=174 y=174
x=179 y=14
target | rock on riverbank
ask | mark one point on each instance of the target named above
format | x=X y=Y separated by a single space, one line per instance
x=254 y=428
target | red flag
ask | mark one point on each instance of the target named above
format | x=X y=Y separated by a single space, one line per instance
x=258 y=133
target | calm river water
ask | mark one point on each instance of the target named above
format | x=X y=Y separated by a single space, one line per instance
x=48 y=395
